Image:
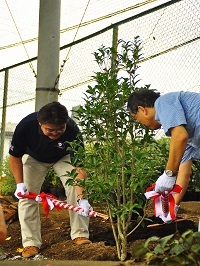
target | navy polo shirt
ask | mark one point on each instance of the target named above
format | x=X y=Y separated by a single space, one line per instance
x=29 y=139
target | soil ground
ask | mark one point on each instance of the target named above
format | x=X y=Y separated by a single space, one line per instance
x=57 y=244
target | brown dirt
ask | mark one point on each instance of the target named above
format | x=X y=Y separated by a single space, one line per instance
x=57 y=244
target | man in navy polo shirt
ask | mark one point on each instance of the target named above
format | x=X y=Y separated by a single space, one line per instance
x=179 y=115
x=39 y=142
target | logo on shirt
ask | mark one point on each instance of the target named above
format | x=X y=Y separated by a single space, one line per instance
x=11 y=147
x=60 y=145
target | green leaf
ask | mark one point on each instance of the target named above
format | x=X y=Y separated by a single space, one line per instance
x=176 y=250
x=186 y=233
x=192 y=258
x=164 y=240
x=159 y=250
x=195 y=248
x=138 y=250
x=151 y=239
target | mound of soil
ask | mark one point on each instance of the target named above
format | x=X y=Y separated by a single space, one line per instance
x=57 y=244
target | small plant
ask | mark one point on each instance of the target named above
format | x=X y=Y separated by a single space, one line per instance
x=171 y=250
x=7 y=181
x=51 y=180
x=53 y=185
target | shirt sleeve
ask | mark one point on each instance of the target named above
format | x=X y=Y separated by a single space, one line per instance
x=18 y=144
x=169 y=111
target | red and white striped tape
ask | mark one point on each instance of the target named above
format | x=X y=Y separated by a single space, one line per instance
x=49 y=201
x=157 y=200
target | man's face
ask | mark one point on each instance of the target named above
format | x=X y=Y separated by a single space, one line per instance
x=53 y=131
x=146 y=116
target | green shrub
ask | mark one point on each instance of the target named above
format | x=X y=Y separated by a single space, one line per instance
x=171 y=250
x=194 y=183
x=51 y=180
x=7 y=183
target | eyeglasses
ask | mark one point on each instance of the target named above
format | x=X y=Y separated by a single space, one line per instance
x=134 y=114
x=52 y=130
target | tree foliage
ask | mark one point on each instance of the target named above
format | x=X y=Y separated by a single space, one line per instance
x=121 y=157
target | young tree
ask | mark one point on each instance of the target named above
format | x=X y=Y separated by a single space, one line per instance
x=118 y=150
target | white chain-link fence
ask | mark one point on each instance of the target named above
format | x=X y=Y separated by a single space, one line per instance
x=170 y=36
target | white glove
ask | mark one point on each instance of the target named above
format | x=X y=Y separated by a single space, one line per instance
x=21 y=187
x=165 y=182
x=168 y=219
x=38 y=198
x=85 y=205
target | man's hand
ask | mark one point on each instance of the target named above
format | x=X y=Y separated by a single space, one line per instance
x=85 y=205
x=21 y=187
x=165 y=182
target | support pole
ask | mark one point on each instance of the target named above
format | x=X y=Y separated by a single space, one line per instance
x=3 y=121
x=114 y=45
x=48 y=52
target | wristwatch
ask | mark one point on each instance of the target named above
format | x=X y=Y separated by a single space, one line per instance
x=170 y=173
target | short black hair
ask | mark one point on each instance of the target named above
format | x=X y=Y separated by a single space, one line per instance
x=141 y=97
x=53 y=113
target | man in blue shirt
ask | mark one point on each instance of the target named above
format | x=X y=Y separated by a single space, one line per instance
x=40 y=141
x=179 y=115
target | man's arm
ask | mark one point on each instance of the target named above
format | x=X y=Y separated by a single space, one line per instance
x=179 y=138
x=16 y=168
x=81 y=174
x=3 y=229
x=81 y=198
x=178 y=142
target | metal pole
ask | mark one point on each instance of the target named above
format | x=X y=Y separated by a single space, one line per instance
x=114 y=45
x=48 y=52
x=3 y=121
